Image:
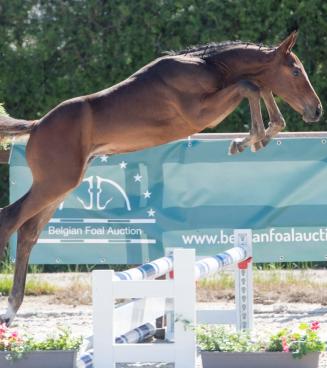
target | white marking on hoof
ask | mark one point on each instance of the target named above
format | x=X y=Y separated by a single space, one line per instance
x=9 y=316
x=233 y=148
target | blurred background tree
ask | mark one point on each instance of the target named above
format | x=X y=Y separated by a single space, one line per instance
x=54 y=50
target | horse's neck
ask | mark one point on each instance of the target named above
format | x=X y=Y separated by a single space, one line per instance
x=241 y=65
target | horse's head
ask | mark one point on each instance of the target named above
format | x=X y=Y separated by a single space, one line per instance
x=289 y=80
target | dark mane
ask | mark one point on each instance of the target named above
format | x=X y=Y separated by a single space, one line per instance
x=214 y=48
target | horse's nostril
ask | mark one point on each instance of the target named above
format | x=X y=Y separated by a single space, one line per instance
x=318 y=111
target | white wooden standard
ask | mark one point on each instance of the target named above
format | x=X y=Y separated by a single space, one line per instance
x=242 y=315
x=182 y=289
x=185 y=307
x=244 y=282
x=103 y=314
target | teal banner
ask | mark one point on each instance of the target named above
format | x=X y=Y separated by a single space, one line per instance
x=190 y=193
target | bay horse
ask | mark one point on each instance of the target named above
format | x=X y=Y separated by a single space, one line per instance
x=170 y=98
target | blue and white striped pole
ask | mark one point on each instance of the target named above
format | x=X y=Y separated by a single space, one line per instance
x=147 y=271
x=140 y=334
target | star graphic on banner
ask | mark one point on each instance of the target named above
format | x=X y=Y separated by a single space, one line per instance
x=137 y=177
x=123 y=165
x=104 y=158
x=151 y=212
x=147 y=194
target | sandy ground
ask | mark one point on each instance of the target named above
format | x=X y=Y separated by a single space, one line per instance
x=40 y=317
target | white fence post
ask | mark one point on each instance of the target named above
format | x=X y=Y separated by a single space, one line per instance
x=244 y=282
x=103 y=318
x=185 y=307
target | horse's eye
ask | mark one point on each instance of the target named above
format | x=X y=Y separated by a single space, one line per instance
x=296 y=72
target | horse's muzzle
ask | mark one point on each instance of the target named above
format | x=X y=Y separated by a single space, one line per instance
x=313 y=115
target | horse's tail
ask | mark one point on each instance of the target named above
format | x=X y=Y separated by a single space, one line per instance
x=11 y=127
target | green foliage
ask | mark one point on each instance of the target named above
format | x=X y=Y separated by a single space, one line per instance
x=63 y=341
x=300 y=342
x=17 y=345
x=34 y=286
x=212 y=338
x=303 y=341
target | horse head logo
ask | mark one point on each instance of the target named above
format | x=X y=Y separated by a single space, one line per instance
x=96 y=193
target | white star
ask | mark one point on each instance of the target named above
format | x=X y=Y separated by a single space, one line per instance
x=137 y=177
x=147 y=194
x=123 y=165
x=151 y=212
x=104 y=158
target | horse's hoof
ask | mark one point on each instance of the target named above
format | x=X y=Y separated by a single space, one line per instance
x=265 y=141
x=256 y=146
x=240 y=148
x=8 y=316
x=5 y=320
x=259 y=145
x=235 y=148
x=232 y=150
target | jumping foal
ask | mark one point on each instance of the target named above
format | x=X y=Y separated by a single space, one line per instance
x=171 y=98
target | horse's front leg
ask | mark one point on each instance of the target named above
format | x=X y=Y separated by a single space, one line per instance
x=277 y=122
x=257 y=131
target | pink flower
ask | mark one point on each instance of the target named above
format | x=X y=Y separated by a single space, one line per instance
x=315 y=325
x=3 y=329
x=14 y=334
x=286 y=349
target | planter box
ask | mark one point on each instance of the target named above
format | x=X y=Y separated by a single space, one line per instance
x=41 y=359
x=215 y=359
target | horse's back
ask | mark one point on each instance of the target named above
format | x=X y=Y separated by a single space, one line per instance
x=183 y=73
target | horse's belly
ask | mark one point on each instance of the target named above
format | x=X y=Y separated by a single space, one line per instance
x=143 y=134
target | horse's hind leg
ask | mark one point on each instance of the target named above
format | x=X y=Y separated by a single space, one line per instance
x=32 y=209
x=27 y=237
x=5 y=215
x=41 y=195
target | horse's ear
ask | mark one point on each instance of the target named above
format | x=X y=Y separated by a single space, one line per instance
x=286 y=46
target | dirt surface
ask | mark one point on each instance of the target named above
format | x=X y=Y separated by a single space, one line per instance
x=40 y=316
